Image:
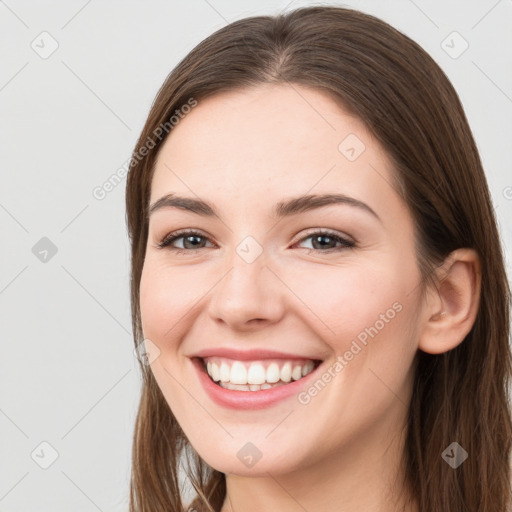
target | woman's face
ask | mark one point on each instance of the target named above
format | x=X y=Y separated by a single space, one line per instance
x=320 y=295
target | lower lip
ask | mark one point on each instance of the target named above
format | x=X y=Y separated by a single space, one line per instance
x=234 y=399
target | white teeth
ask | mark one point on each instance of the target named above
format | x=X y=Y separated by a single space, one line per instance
x=256 y=374
x=235 y=387
x=247 y=376
x=224 y=372
x=214 y=372
x=286 y=372
x=238 y=373
x=297 y=372
x=249 y=387
x=273 y=374
x=308 y=368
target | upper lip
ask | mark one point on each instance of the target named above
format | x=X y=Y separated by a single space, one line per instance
x=248 y=355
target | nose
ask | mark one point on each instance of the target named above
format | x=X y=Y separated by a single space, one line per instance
x=249 y=296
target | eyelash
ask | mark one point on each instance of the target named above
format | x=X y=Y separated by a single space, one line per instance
x=172 y=237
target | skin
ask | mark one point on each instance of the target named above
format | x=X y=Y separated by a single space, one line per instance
x=244 y=152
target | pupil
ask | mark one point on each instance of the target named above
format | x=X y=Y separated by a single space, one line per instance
x=192 y=237
x=320 y=237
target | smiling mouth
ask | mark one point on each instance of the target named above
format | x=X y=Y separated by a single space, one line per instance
x=256 y=375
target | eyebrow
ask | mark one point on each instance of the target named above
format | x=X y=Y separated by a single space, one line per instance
x=286 y=208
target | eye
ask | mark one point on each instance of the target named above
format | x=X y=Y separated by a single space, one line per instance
x=189 y=237
x=322 y=241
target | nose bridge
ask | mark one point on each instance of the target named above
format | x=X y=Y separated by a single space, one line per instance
x=249 y=290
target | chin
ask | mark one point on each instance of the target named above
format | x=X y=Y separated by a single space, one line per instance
x=252 y=459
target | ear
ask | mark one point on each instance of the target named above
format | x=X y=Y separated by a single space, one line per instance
x=451 y=308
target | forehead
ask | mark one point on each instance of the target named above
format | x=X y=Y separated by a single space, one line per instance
x=269 y=141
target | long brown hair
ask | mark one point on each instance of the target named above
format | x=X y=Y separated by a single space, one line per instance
x=407 y=102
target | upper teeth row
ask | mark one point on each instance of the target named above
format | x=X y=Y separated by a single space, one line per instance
x=237 y=372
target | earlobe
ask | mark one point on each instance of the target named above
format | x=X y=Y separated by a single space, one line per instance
x=452 y=313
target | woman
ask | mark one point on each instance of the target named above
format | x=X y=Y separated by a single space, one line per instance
x=317 y=279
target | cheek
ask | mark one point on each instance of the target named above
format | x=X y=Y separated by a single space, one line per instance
x=366 y=314
x=344 y=301
x=167 y=297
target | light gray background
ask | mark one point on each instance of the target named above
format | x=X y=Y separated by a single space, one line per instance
x=68 y=374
